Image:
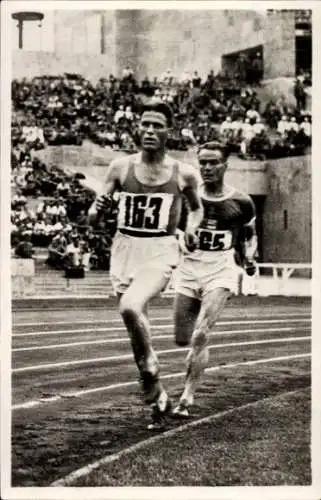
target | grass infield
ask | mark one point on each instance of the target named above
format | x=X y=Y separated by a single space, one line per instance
x=262 y=445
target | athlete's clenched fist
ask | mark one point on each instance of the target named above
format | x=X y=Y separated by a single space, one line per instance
x=191 y=241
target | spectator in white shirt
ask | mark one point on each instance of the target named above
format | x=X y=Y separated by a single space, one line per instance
x=61 y=238
x=21 y=181
x=31 y=134
x=74 y=253
x=167 y=76
x=293 y=125
x=85 y=254
x=247 y=129
x=258 y=126
x=49 y=226
x=127 y=72
x=18 y=199
x=226 y=126
x=26 y=167
x=157 y=95
x=63 y=187
x=40 y=227
x=52 y=208
x=188 y=135
x=306 y=127
x=57 y=227
x=67 y=227
x=252 y=114
x=28 y=229
x=168 y=98
x=236 y=127
x=283 y=125
x=41 y=207
x=21 y=213
x=247 y=135
x=129 y=113
x=31 y=214
x=125 y=139
x=120 y=113
x=185 y=77
x=111 y=136
x=52 y=102
x=61 y=209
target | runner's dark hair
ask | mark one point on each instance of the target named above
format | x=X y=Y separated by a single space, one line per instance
x=216 y=146
x=159 y=106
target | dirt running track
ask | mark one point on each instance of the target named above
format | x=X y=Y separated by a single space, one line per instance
x=75 y=396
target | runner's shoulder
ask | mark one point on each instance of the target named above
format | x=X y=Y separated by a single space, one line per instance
x=246 y=203
x=122 y=162
x=242 y=197
x=118 y=167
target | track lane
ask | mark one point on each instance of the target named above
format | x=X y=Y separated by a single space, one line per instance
x=68 y=316
x=40 y=337
x=80 y=351
x=53 y=440
x=30 y=385
x=63 y=433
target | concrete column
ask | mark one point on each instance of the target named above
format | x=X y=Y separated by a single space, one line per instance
x=108 y=38
x=126 y=39
x=279 y=47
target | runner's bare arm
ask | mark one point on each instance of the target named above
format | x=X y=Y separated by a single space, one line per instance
x=250 y=241
x=109 y=186
x=191 y=181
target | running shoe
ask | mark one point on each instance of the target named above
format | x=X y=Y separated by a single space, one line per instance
x=181 y=410
x=161 y=409
x=151 y=386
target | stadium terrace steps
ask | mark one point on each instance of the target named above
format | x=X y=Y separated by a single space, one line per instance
x=51 y=282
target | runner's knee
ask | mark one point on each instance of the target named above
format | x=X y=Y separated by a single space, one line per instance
x=130 y=309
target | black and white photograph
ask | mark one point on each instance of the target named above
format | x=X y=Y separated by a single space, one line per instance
x=158 y=250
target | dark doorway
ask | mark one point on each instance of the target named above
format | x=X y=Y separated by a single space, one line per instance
x=303 y=53
x=245 y=65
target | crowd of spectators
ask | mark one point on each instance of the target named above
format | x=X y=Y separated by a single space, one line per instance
x=49 y=209
x=68 y=109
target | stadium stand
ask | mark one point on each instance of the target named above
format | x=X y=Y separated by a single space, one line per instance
x=49 y=206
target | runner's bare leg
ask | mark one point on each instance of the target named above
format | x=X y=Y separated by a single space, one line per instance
x=198 y=355
x=133 y=309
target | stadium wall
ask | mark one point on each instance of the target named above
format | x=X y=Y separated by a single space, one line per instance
x=155 y=40
x=28 y=64
x=90 y=159
x=150 y=41
x=288 y=211
x=285 y=183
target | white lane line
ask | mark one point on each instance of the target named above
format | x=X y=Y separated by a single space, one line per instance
x=38 y=402
x=88 y=321
x=108 y=459
x=156 y=318
x=158 y=327
x=124 y=357
x=155 y=337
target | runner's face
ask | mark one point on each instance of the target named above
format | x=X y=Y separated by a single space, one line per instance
x=153 y=131
x=212 y=166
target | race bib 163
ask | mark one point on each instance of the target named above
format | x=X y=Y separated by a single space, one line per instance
x=144 y=212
